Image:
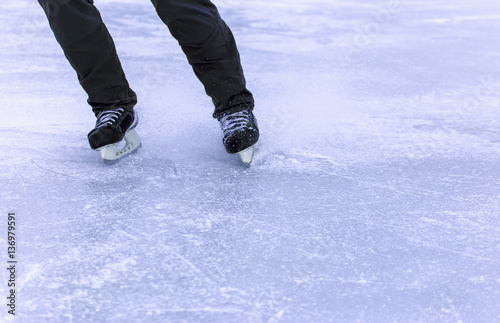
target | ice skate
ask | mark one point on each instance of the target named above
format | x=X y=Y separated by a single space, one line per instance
x=113 y=126
x=241 y=133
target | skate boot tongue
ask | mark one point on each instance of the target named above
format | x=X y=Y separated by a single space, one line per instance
x=108 y=117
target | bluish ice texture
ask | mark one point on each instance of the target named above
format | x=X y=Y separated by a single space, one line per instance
x=374 y=195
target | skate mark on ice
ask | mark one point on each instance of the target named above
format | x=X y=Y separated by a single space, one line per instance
x=448 y=301
x=165 y=163
x=176 y=254
x=465 y=254
x=276 y=317
x=68 y=306
x=56 y=172
x=128 y=235
x=311 y=255
x=298 y=160
x=207 y=309
x=23 y=183
x=45 y=152
x=369 y=185
x=311 y=161
x=322 y=158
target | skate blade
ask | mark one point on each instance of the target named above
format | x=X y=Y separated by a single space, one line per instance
x=247 y=155
x=111 y=154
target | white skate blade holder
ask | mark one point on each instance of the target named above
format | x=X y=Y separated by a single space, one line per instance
x=111 y=153
x=247 y=155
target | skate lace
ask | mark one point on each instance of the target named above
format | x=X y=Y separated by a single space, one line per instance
x=235 y=121
x=108 y=117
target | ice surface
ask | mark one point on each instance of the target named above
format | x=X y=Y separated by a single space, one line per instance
x=374 y=195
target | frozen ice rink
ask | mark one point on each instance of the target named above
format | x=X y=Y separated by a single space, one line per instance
x=374 y=195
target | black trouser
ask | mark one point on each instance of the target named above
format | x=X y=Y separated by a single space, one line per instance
x=196 y=24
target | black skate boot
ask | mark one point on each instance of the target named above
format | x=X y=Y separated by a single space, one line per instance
x=241 y=133
x=112 y=126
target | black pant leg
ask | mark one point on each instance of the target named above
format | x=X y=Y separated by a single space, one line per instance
x=211 y=50
x=89 y=48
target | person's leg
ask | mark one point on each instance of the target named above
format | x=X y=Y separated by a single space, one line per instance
x=211 y=50
x=78 y=27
